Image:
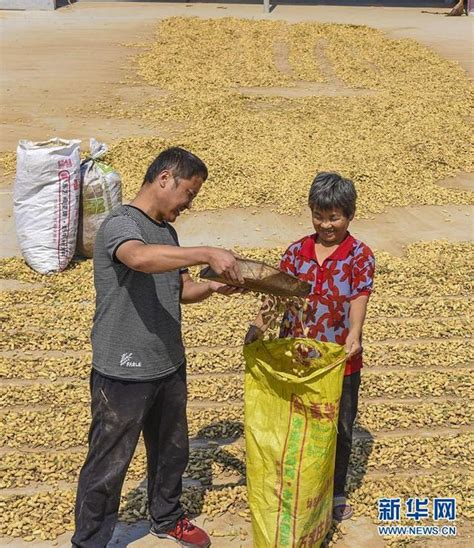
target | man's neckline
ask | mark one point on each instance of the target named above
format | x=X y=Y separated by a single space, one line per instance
x=154 y=221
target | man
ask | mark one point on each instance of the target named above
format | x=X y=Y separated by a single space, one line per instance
x=138 y=379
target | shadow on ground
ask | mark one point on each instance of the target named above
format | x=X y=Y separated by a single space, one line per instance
x=357 y=470
x=234 y=476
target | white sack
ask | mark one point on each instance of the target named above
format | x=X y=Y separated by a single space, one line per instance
x=46 y=202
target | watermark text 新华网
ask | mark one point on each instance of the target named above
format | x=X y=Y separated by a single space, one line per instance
x=441 y=510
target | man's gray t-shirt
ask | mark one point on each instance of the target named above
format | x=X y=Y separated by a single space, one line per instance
x=136 y=333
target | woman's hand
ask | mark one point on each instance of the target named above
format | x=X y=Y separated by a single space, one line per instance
x=254 y=333
x=352 y=345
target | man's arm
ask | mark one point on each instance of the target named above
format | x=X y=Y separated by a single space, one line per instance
x=195 y=292
x=155 y=258
x=357 y=312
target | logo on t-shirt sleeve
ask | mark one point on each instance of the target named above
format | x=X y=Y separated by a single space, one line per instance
x=127 y=361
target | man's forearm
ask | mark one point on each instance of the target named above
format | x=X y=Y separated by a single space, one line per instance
x=155 y=258
x=195 y=292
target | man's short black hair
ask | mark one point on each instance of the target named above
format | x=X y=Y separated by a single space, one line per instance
x=330 y=190
x=182 y=164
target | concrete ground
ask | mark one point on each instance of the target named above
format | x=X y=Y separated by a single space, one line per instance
x=56 y=64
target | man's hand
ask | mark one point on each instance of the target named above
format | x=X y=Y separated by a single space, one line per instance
x=224 y=263
x=224 y=289
x=253 y=334
x=352 y=345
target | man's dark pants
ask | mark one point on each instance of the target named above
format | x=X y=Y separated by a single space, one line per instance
x=347 y=416
x=120 y=411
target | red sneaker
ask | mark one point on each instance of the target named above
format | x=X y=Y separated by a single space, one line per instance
x=185 y=533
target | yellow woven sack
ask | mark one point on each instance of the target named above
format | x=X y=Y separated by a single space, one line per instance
x=290 y=433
